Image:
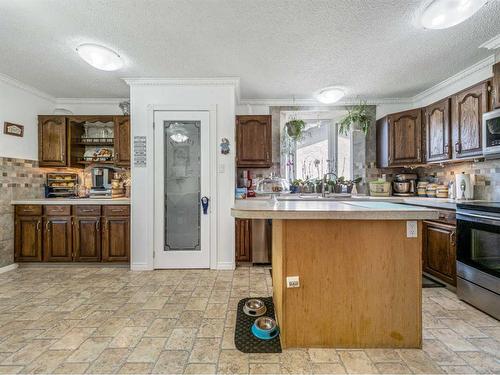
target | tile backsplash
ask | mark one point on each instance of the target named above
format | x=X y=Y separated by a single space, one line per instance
x=19 y=179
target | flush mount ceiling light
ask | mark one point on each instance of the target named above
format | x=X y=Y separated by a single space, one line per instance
x=100 y=57
x=441 y=14
x=329 y=95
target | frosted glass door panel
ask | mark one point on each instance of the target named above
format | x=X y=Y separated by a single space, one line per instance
x=182 y=176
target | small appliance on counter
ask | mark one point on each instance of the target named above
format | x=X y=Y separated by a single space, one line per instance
x=464 y=186
x=101 y=182
x=491 y=134
x=61 y=185
x=404 y=185
x=478 y=255
x=380 y=188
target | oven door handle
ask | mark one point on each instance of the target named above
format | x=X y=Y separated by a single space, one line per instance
x=492 y=220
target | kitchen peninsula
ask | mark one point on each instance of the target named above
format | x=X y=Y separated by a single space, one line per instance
x=359 y=268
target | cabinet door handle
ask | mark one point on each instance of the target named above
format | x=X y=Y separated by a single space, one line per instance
x=452 y=237
x=86 y=210
x=418 y=154
x=98 y=225
x=47 y=226
x=457 y=147
x=38 y=226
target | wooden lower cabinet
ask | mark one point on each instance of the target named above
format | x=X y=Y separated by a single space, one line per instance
x=28 y=239
x=57 y=239
x=87 y=239
x=67 y=234
x=439 y=251
x=115 y=239
x=243 y=240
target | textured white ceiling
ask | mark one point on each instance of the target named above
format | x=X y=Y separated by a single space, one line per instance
x=278 y=48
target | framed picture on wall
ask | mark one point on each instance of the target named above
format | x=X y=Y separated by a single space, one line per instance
x=13 y=129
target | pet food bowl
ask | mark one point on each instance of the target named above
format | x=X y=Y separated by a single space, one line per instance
x=265 y=328
x=254 y=307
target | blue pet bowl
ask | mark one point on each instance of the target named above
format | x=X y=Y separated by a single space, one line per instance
x=265 y=328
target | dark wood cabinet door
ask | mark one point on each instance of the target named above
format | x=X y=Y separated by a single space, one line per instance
x=243 y=240
x=468 y=107
x=87 y=238
x=57 y=239
x=438 y=131
x=116 y=239
x=253 y=141
x=122 y=140
x=52 y=141
x=405 y=139
x=28 y=239
x=495 y=89
x=439 y=252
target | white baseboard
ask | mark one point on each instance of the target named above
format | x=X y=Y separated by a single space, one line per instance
x=226 y=266
x=8 y=268
x=140 y=267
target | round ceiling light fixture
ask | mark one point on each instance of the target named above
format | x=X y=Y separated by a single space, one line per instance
x=441 y=14
x=100 y=57
x=329 y=95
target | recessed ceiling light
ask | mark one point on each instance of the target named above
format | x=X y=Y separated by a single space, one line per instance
x=441 y=14
x=100 y=57
x=329 y=95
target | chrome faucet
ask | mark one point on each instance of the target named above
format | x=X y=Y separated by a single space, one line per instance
x=323 y=191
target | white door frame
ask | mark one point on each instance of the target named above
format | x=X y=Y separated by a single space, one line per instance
x=213 y=207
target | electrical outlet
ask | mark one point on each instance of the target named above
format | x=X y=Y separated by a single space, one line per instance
x=411 y=229
x=292 y=282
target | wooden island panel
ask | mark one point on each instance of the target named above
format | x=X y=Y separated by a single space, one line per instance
x=360 y=283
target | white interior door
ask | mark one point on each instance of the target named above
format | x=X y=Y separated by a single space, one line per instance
x=182 y=178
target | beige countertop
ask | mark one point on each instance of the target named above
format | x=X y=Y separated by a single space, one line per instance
x=75 y=201
x=333 y=210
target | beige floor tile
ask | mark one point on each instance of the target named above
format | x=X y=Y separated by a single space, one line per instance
x=323 y=355
x=211 y=328
x=109 y=361
x=489 y=346
x=89 y=350
x=264 y=358
x=392 y=368
x=357 y=362
x=419 y=362
x=295 y=361
x=482 y=362
x=147 y=350
x=171 y=362
x=228 y=338
x=441 y=354
x=155 y=303
x=200 y=368
x=190 y=319
x=47 y=362
x=205 y=351
x=136 y=368
x=383 y=355
x=463 y=329
x=111 y=327
x=458 y=369
x=215 y=311
x=161 y=327
x=28 y=353
x=197 y=303
x=181 y=339
x=128 y=337
x=10 y=369
x=73 y=339
x=71 y=368
x=453 y=340
x=264 y=368
x=233 y=362
x=328 y=368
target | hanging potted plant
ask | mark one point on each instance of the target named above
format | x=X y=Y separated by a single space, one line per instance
x=357 y=115
x=295 y=128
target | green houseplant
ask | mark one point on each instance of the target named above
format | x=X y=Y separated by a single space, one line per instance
x=359 y=115
x=294 y=128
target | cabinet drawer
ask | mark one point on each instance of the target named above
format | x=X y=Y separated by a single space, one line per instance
x=116 y=210
x=447 y=217
x=28 y=210
x=57 y=210
x=87 y=210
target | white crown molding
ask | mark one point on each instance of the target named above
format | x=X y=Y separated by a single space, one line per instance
x=23 y=86
x=491 y=44
x=66 y=101
x=315 y=103
x=485 y=63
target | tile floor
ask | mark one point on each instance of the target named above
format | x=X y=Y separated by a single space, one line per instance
x=111 y=320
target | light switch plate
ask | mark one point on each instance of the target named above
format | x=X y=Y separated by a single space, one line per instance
x=411 y=229
x=292 y=282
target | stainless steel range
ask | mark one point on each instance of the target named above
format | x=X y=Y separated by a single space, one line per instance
x=478 y=255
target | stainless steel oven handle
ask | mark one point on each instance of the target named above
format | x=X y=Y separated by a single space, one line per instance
x=496 y=219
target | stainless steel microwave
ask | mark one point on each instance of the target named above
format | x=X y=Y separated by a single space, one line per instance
x=491 y=133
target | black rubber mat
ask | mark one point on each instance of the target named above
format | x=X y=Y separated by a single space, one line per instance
x=244 y=340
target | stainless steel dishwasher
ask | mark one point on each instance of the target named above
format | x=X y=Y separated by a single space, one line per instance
x=261 y=240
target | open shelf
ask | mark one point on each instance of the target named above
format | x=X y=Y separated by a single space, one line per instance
x=94 y=141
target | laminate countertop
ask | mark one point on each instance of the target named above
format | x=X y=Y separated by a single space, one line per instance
x=74 y=201
x=333 y=210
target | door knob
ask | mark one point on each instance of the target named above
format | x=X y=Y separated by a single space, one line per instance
x=204 y=204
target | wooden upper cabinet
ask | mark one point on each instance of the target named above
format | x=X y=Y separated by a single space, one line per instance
x=253 y=141
x=87 y=238
x=57 y=239
x=438 y=131
x=405 y=137
x=52 y=141
x=495 y=86
x=468 y=107
x=28 y=238
x=122 y=140
x=439 y=251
